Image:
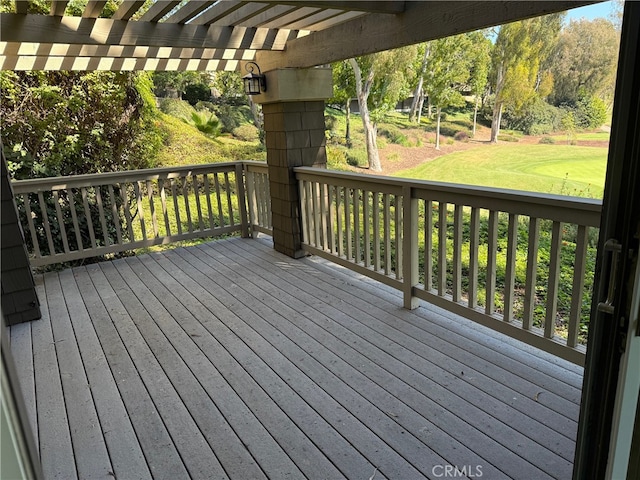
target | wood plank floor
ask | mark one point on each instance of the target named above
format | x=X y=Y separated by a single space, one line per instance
x=229 y=360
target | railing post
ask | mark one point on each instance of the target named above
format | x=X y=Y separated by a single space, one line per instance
x=242 y=200
x=410 y=247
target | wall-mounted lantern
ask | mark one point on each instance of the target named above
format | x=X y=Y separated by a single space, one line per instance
x=254 y=83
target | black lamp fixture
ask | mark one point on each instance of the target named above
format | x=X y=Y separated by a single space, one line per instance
x=254 y=83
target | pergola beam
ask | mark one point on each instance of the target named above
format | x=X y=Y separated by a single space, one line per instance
x=158 y=10
x=127 y=9
x=93 y=8
x=115 y=51
x=389 y=7
x=75 y=63
x=420 y=22
x=58 y=7
x=102 y=31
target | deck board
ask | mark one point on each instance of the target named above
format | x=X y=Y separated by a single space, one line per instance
x=430 y=380
x=229 y=360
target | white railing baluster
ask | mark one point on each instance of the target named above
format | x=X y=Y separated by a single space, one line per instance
x=32 y=228
x=554 y=278
x=60 y=219
x=103 y=219
x=442 y=248
x=398 y=236
x=45 y=222
x=510 y=271
x=387 y=233
x=428 y=245
x=577 y=289
x=347 y=222
x=474 y=242
x=457 y=253
x=152 y=209
x=532 y=273
x=356 y=226
x=492 y=253
x=367 y=227
x=376 y=231
x=115 y=216
x=138 y=192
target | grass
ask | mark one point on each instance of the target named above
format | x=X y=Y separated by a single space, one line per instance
x=599 y=136
x=559 y=169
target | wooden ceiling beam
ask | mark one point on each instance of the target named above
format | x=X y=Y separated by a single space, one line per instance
x=115 y=64
x=58 y=8
x=93 y=9
x=127 y=9
x=158 y=10
x=190 y=10
x=103 y=31
x=217 y=11
x=388 y=7
x=103 y=51
x=420 y=22
x=21 y=7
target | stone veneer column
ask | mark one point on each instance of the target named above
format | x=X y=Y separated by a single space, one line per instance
x=293 y=109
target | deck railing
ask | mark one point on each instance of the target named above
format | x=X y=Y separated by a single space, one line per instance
x=514 y=261
x=259 y=196
x=473 y=251
x=71 y=218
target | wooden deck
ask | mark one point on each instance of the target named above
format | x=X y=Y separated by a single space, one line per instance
x=229 y=360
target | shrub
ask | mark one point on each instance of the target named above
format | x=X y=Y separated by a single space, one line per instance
x=176 y=108
x=395 y=135
x=247 y=133
x=536 y=118
x=196 y=92
x=461 y=136
x=591 y=112
x=357 y=158
x=547 y=140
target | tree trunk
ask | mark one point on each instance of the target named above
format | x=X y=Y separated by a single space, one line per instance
x=370 y=130
x=475 y=117
x=495 y=122
x=497 y=106
x=420 y=105
x=438 y=112
x=347 y=133
x=418 y=96
x=416 y=101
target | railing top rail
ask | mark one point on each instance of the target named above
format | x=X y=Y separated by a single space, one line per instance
x=94 y=179
x=544 y=205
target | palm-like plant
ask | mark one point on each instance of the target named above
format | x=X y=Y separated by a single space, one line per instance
x=206 y=122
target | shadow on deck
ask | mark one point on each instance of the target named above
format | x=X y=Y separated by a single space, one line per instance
x=229 y=360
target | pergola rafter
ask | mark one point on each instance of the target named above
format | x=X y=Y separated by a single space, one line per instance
x=205 y=34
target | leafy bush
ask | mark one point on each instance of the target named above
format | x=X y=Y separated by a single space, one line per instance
x=461 y=136
x=357 y=158
x=395 y=135
x=196 y=92
x=247 y=133
x=176 y=108
x=536 y=118
x=591 y=112
x=70 y=123
x=231 y=117
x=205 y=122
x=547 y=140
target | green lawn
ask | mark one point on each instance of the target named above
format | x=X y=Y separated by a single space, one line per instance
x=559 y=169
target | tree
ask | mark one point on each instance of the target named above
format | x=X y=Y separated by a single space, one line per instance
x=447 y=71
x=381 y=80
x=344 y=89
x=584 y=61
x=69 y=123
x=519 y=58
x=479 y=70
